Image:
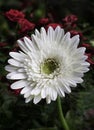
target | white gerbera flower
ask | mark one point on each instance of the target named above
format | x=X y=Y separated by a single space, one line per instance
x=50 y=65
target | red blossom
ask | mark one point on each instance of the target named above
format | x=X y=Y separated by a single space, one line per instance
x=25 y=25
x=14 y=15
x=70 y=20
x=44 y=21
x=53 y=25
x=3 y=44
x=74 y=32
x=17 y=91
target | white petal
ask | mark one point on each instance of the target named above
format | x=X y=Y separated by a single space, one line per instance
x=78 y=80
x=48 y=99
x=50 y=34
x=37 y=33
x=75 y=41
x=14 y=63
x=26 y=89
x=16 y=56
x=77 y=73
x=28 y=99
x=21 y=70
x=10 y=68
x=72 y=83
x=28 y=43
x=37 y=41
x=51 y=92
x=60 y=91
x=36 y=99
x=65 y=38
x=84 y=69
x=54 y=95
x=81 y=50
x=59 y=88
x=35 y=91
x=59 y=34
x=86 y=64
x=19 y=84
x=64 y=85
x=43 y=93
x=22 y=46
x=15 y=75
x=43 y=34
x=27 y=94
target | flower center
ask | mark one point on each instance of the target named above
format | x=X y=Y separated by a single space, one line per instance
x=49 y=66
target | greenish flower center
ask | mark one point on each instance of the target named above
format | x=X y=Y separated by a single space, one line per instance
x=49 y=66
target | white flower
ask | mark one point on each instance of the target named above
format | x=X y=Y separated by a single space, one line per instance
x=49 y=65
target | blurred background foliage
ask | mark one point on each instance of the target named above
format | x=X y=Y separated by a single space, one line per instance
x=78 y=107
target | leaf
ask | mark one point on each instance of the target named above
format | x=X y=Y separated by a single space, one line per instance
x=52 y=128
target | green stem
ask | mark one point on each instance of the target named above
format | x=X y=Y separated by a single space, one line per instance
x=61 y=116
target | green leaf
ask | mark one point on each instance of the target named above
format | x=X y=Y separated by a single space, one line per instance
x=52 y=128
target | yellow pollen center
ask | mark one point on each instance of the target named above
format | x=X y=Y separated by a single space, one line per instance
x=49 y=66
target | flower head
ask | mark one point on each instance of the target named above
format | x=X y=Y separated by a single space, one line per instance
x=48 y=65
x=74 y=32
x=44 y=21
x=14 y=15
x=25 y=25
x=3 y=44
x=70 y=21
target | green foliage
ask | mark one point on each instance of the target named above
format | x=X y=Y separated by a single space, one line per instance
x=82 y=103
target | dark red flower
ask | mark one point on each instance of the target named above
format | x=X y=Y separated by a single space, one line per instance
x=74 y=32
x=3 y=44
x=53 y=25
x=25 y=25
x=14 y=15
x=17 y=91
x=70 y=20
x=44 y=21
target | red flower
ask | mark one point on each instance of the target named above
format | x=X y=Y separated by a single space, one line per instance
x=43 y=21
x=25 y=25
x=17 y=91
x=53 y=25
x=69 y=21
x=74 y=32
x=3 y=44
x=14 y=15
